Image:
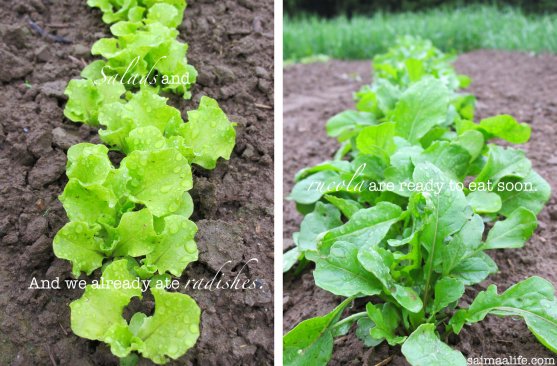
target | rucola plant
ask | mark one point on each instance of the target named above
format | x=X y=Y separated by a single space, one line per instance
x=133 y=220
x=447 y=195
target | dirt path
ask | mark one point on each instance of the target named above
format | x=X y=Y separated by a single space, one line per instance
x=519 y=84
x=231 y=45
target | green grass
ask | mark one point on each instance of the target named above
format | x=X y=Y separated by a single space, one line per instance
x=460 y=30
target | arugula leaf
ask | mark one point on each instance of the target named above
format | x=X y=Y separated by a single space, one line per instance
x=378 y=98
x=424 y=348
x=401 y=169
x=347 y=124
x=473 y=142
x=386 y=320
x=332 y=165
x=452 y=159
x=363 y=332
x=531 y=192
x=532 y=299
x=377 y=140
x=474 y=269
x=421 y=107
x=448 y=214
x=447 y=290
x=341 y=273
x=346 y=206
x=309 y=190
x=512 y=232
x=484 y=202
x=504 y=162
x=375 y=261
x=323 y=218
x=507 y=128
x=463 y=244
x=426 y=60
x=311 y=341
x=367 y=226
x=290 y=258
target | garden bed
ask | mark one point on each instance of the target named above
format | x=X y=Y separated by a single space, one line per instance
x=231 y=45
x=516 y=83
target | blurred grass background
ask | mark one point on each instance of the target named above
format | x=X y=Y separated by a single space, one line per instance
x=459 y=29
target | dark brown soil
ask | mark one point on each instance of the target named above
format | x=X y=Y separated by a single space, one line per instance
x=515 y=83
x=231 y=44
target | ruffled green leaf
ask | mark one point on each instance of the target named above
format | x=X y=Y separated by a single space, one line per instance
x=91 y=204
x=136 y=234
x=171 y=331
x=145 y=138
x=100 y=309
x=165 y=14
x=158 y=179
x=78 y=243
x=210 y=134
x=145 y=109
x=88 y=163
x=175 y=248
x=149 y=53
x=85 y=99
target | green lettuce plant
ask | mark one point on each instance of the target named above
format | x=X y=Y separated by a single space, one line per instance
x=134 y=10
x=132 y=220
x=144 y=49
x=405 y=214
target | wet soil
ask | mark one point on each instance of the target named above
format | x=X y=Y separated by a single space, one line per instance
x=519 y=84
x=231 y=45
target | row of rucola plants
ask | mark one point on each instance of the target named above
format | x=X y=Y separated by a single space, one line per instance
x=132 y=220
x=405 y=212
